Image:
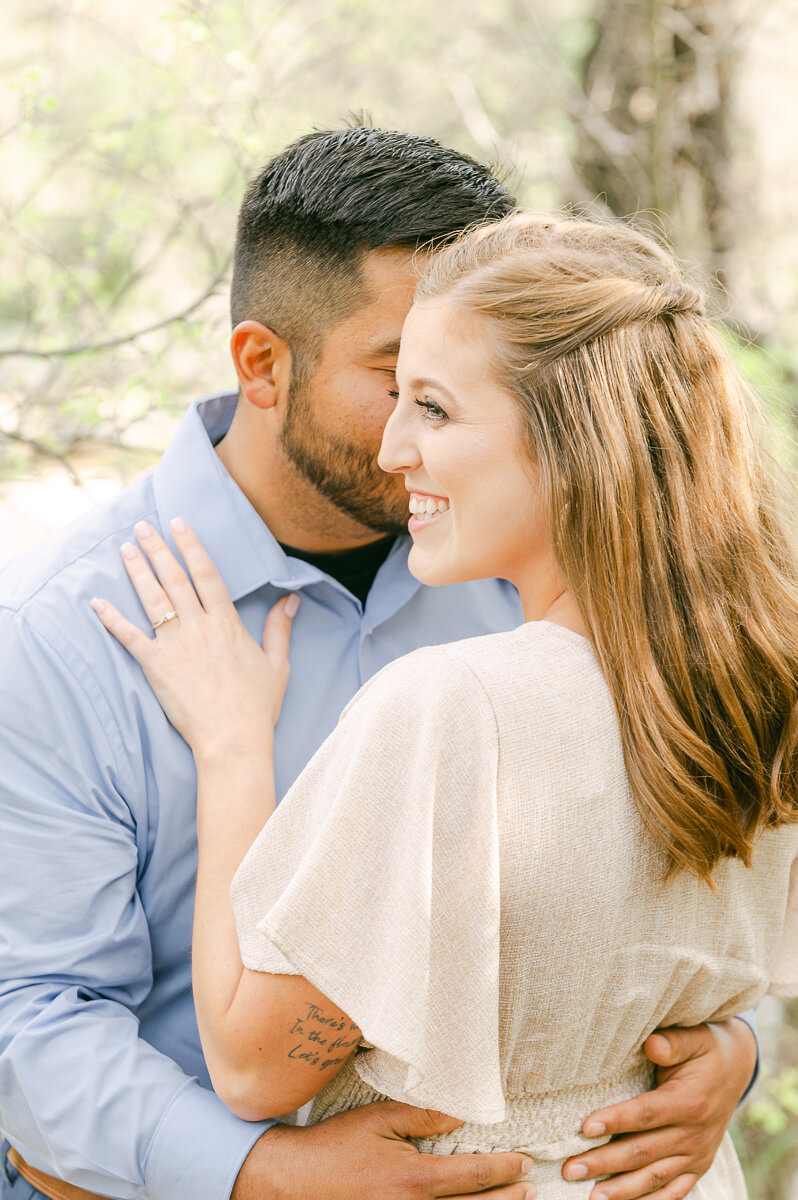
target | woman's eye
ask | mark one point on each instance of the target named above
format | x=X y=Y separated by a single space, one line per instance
x=393 y=394
x=434 y=413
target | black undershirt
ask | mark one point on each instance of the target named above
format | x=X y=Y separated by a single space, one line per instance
x=355 y=569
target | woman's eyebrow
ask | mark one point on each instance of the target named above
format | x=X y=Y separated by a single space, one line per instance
x=433 y=383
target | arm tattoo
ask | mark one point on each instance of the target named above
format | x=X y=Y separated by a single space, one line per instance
x=322 y=1041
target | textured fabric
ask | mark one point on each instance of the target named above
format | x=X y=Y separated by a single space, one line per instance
x=102 y=1078
x=532 y=1126
x=462 y=869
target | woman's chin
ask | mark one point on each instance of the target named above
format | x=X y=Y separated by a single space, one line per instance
x=429 y=569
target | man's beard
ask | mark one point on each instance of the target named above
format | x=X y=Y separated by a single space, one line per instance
x=343 y=472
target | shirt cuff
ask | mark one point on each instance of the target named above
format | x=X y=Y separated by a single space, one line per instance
x=197 y=1149
x=750 y=1019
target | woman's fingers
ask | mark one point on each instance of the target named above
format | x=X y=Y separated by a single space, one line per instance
x=206 y=579
x=154 y=599
x=176 y=594
x=277 y=630
x=130 y=636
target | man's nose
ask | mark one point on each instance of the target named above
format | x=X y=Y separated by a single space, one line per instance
x=398 y=452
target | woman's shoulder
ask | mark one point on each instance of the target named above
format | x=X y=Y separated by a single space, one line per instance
x=421 y=683
x=536 y=658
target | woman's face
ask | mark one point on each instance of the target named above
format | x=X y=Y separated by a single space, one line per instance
x=455 y=435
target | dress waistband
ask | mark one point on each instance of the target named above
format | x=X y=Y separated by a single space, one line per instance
x=545 y=1125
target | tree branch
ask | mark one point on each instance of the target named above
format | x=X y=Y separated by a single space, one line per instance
x=95 y=347
x=46 y=451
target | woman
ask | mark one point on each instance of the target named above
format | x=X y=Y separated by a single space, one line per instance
x=520 y=854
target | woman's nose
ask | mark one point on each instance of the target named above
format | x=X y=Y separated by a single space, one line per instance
x=398 y=452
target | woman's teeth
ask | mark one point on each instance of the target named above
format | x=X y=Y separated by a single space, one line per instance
x=426 y=506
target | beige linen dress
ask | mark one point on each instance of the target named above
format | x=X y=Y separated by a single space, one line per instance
x=462 y=870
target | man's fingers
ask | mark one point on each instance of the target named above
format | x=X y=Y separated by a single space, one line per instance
x=647 y=1111
x=630 y=1153
x=467 y=1174
x=669 y=1047
x=455 y=1175
x=516 y=1191
x=664 y=1183
x=406 y=1121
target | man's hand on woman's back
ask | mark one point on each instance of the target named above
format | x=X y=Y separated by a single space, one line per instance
x=363 y=1154
x=666 y=1139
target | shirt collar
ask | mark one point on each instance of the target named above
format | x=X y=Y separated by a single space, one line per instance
x=191 y=482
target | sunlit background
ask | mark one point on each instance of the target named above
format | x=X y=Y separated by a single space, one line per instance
x=128 y=132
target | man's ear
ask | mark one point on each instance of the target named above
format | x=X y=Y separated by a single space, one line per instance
x=262 y=360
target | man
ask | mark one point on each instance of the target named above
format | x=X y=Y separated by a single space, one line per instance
x=102 y=1082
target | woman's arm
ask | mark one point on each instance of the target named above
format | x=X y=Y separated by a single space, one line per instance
x=271 y=1041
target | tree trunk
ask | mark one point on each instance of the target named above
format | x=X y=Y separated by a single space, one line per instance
x=659 y=77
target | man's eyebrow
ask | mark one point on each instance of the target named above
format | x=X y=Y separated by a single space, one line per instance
x=433 y=383
x=385 y=350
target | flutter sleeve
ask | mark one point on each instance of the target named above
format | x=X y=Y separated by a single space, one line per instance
x=378 y=880
x=784 y=980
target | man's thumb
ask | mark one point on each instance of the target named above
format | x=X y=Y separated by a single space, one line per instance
x=670 y=1047
x=406 y=1121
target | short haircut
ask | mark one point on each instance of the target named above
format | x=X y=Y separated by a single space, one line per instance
x=318 y=207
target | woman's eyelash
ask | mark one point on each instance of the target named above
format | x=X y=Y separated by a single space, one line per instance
x=435 y=413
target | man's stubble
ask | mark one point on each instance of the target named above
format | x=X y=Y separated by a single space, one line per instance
x=344 y=472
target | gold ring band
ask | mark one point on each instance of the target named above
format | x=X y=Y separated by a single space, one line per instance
x=170 y=616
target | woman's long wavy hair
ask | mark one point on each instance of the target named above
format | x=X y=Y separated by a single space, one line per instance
x=663 y=514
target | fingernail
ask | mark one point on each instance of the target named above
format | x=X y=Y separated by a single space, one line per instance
x=128 y=550
x=292 y=605
x=595 y=1129
x=530 y=1194
x=97 y=605
x=143 y=530
x=178 y=525
x=599 y=1196
x=575 y=1171
x=526 y=1165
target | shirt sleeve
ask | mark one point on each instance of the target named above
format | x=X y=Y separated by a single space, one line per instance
x=784 y=978
x=749 y=1016
x=378 y=880
x=82 y=1097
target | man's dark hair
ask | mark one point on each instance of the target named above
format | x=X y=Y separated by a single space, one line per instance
x=310 y=216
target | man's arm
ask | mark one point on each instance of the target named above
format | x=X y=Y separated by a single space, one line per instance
x=668 y=1138
x=81 y=1095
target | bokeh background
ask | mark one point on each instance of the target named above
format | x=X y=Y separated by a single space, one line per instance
x=127 y=134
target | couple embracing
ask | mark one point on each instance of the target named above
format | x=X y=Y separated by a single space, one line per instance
x=536 y=763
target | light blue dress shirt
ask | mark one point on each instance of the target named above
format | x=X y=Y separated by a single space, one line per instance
x=102 y=1080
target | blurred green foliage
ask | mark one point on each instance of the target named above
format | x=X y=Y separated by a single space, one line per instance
x=128 y=132
x=766 y=1130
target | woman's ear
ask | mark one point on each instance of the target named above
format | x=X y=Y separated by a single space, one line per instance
x=262 y=360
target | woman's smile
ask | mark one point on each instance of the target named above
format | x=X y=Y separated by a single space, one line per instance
x=456 y=430
x=426 y=509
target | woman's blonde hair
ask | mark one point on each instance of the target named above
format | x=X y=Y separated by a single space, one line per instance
x=662 y=513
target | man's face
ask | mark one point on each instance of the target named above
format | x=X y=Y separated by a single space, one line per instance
x=336 y=414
